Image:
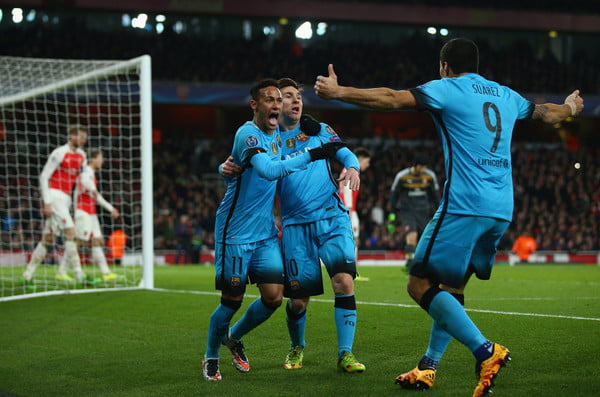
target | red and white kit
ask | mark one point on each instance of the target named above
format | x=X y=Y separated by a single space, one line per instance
x=87 y=225
x=56 y=184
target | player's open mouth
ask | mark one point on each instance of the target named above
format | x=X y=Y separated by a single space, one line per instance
x=295 y=109
x=274 y=118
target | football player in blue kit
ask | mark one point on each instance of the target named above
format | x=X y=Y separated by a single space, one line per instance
x=246 y=245
x=475 y=119
x=316 y=227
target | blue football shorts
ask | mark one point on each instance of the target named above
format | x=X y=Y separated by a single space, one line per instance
x=305 y=245
x=239 y=264
x=453 y=247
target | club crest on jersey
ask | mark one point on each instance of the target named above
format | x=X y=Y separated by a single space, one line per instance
x=334 y=139
x=294 y=285
x=302 y=137
x=251 y=141
x=236 y=281
x=274 y=148
x=330 y=130
x=278 y=140
x=290 y=143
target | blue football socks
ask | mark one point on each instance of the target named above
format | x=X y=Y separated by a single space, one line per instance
x=255 y=315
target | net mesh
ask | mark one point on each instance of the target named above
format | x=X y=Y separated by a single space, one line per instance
x=39 y=100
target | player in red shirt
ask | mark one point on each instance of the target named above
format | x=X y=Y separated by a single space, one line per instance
x=87 y=225
x=56 y=185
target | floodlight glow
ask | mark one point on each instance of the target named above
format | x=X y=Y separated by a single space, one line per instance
x=247 y=29
x=431 y=30
x=160 y=18
x=178 y=27
x=160 y=28
x=553 y=34
x=267 y=30
x=283 y=21
x=1 y=14
x=125 y=20
x=444 y=32
x=321 y=28
x=139 y=21
x=577 y=165
x=31 y=16
x=17 y=15
x=304 y=31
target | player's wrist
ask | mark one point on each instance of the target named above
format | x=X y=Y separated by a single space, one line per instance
x=572 y=107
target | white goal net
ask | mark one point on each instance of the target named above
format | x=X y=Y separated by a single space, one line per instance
x=40 y=99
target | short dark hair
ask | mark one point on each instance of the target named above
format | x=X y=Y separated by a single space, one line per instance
x=94 y=153
x=362 y=152
x=260 y=85
x=287 y=82
x=462 y=55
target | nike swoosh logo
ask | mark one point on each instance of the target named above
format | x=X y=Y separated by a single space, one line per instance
x=349 y=315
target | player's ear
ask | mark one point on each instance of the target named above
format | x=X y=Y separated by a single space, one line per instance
x=253 y=104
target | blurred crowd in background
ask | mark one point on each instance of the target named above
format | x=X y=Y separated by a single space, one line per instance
x=216 y=50
x=557 y=191
x=557 y=198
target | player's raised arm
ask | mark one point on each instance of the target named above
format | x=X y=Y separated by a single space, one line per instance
x=382 y=98
x=552 y=113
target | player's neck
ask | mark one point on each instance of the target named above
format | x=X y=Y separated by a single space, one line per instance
x=289 y=126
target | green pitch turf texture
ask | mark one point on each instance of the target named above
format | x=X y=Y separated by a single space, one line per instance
x=150 y=343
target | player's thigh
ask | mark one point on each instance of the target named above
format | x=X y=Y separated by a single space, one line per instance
x=409 y=221
x=422 y=217
x=445 y=248
x=301 y=261
x=231 y=267
x=266 y=263
x=484 y=253
x=336 y=245
x=83 y=225
x=61 y=218
x=96 y=229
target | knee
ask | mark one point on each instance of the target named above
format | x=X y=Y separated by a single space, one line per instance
x=298 y=305
x=343 y=283
x=417 y=286
x=272 y=302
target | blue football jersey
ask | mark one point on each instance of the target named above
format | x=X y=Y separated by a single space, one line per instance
x=311 y=194
x=475 y=119
x=245 y=214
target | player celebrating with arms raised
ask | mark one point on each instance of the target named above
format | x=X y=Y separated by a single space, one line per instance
x=475 y=119
x=56 y=185
x=246 y=245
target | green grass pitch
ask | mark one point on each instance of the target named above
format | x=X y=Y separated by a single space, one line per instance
x=150 y=343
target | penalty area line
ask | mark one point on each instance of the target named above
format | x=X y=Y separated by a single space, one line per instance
x=396 y=305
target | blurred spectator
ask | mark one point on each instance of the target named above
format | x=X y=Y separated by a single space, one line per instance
x=523 y=248
x=185 y=234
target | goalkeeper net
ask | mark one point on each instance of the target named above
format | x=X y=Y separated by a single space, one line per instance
x=39 y=100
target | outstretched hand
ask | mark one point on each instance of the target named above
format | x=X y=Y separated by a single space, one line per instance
x=327 y=87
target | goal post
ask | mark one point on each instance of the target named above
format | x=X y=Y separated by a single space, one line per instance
x=39 y=100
